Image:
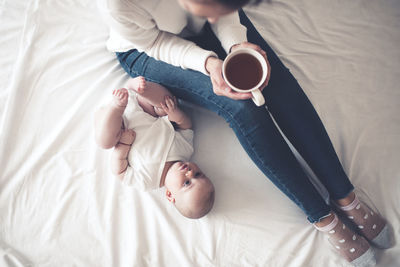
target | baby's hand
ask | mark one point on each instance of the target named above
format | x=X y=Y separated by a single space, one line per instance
x=170 y=107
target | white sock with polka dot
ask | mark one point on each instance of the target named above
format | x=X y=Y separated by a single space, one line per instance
x=369 y=223
x=353 y=247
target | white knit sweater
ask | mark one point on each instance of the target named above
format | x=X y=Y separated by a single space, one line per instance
x=158 y=27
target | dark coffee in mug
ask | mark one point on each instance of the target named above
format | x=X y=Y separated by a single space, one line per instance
x=244 y=71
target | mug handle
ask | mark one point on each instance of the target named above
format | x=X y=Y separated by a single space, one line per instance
x=257 y=97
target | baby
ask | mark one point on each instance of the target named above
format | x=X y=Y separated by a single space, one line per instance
x=148 y=151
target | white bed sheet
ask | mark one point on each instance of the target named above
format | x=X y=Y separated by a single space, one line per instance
x=59 y=204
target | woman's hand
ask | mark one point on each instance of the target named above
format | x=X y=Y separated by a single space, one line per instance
x=258 y=49
x=214 y=67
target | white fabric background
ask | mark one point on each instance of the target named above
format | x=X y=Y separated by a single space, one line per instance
x=59 y=204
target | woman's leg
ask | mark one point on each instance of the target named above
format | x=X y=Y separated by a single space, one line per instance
x=253 y=126
x=301 y=124
x=299 y=121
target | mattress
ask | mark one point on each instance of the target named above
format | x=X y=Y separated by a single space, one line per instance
x=60 y=204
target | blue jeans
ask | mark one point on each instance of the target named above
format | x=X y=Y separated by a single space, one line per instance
x=253 y=126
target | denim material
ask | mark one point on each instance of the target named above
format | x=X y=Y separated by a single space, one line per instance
x=253 y=125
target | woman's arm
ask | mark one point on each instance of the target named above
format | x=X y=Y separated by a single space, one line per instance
x=229 y=31
x=134 y=25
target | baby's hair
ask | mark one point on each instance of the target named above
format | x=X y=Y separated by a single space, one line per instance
x=201 y=210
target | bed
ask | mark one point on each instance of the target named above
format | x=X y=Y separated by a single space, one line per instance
x=60 y=205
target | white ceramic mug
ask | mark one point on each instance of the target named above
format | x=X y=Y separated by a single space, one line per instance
x=257 y=96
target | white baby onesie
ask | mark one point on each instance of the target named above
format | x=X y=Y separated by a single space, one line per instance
x=156 y=143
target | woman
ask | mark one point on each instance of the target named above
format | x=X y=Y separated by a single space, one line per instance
x=181 y=44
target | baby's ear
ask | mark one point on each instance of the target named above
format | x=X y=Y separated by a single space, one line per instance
x=169 y=196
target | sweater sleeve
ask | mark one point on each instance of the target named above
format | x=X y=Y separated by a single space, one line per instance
x=136 y=26
x=229 y=31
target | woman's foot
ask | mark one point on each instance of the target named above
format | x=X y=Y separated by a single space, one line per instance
x=370 y=224
x=120 y=98
x=353 y=247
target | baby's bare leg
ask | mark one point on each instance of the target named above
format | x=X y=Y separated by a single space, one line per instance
x=108 y=120
x=119 y=161
x=150 y=95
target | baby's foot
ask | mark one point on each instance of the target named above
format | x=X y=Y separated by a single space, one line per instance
x=120 y=98
x=127 y=137
x=353 y=247
x=369 y=223
x=137 y=84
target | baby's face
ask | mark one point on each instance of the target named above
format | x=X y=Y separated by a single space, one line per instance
x=185 y=180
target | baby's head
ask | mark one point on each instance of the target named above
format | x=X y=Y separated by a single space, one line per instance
x=189 y=189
